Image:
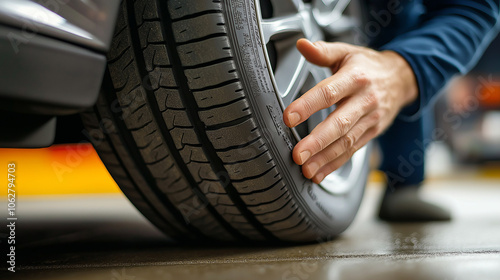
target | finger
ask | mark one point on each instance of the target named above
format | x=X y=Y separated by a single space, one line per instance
x=342 y=159
x=322 y=53
x=325 y=94
x=330 y=167
x=337 y=148
x=336 y=125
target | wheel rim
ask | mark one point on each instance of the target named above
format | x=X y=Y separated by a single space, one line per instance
x=292 y=75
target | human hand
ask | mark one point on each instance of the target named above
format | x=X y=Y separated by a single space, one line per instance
x=369 y=89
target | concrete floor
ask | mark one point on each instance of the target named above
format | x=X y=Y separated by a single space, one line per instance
x=104 y=237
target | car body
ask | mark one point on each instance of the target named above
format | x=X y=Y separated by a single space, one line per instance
x=52 y=57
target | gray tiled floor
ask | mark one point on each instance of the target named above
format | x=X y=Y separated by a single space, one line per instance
x=105 y=238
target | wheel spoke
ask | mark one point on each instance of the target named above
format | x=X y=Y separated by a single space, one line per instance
x=282 y=25
x=290 y=74
x=327 y=13
x=342 y=24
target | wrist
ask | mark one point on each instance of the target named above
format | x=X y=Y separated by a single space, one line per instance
x=407 y=82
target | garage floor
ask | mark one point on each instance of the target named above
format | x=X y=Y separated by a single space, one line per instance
x=104 y=237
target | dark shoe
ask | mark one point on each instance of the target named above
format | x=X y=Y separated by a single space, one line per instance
x=405 y=205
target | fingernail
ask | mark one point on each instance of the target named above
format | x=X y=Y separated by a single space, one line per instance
x=293 y=118
x=304 y=156
x=313 y=167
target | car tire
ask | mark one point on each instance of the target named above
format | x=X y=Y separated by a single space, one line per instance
x=190 y=127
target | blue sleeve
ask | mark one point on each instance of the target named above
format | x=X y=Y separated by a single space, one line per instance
x=449 y=39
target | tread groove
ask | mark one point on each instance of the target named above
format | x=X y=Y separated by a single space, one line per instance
x=270 y=202
x=246 y=160
x=230 y=148
x=215 y=86
x=277 y=210
x=221 y=104
x=208 y=63
x=284 y=219
x=229 y=123
x=213 y=35
x=255 y=176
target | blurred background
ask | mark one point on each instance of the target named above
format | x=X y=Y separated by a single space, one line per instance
x=469 y=112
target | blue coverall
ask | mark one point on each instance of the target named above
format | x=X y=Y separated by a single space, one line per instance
x=438 y=39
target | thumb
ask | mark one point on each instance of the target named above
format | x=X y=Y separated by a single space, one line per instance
x=322 y=53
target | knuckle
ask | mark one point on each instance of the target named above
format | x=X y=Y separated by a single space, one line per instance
x=360 y=77
x=308 y=106
x=343 y=124
x=352 y=139
x=362 y=56
x=376 y=117
x=347 y=142
x=320 y=143
x=371 y=99
x=329 y=94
